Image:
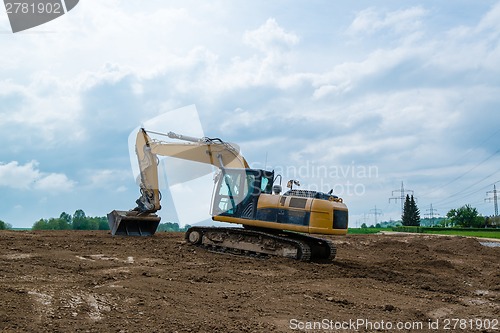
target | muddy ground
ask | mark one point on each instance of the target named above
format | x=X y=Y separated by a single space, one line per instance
x=70 y=281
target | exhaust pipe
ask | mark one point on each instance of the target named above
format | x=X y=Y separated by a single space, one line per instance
x=131 y=223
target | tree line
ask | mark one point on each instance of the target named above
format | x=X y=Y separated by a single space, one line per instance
x=172 y=227
x=468 y=217
x=4 y=225
x=79 y=221
x=462 y=217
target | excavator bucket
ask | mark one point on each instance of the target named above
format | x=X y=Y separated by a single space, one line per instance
x=131 y=223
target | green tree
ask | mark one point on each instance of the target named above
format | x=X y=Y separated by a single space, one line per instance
x=92 y=223
x=41 y=224
x=53 y=224
x=411 y=213
x=47 y=224
x=83 y=222
x=172 y=227
x=3 y=225
x=103 y=223
x=405 y=218
x=80 y=220
x=491 y=221
x=65 y=221
x=364 y=226
x=415 y=212
x=466 y=217
x=169 y=226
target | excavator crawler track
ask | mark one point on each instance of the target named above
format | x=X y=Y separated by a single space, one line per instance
x=321 y=249
x=261 y=244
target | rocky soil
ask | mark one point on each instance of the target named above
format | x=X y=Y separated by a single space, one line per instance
x=70 y=281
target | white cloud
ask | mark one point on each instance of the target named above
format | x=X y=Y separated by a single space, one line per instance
x=108 y=179
x=19 y=176
x=490 y=20
x=243 y=119
x=46 y=109
x=270 y=37
x=28 y=176
x=371 y=20
x=54 y=182
x=393 y=87
x=328 y=89
x=469 y=49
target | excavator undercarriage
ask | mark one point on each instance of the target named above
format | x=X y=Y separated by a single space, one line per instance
x=262 y=243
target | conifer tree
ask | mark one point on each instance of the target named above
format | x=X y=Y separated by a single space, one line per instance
x=411 y=213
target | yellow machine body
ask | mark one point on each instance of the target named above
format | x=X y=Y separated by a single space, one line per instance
x=243 y=196
x=307 y=215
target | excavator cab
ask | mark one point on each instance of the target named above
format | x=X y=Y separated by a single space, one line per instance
x=237 y=191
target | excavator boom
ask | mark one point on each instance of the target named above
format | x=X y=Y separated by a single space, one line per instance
x=142 y=220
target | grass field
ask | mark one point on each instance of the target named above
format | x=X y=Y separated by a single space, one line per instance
x=456 y=232
x=485 y=234
x=365 y=231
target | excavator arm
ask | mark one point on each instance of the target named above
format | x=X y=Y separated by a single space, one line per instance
x=142 y=220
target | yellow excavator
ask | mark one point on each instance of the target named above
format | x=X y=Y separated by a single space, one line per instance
x=273 y=223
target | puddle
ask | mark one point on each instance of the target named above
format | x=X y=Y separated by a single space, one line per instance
x=490 y=244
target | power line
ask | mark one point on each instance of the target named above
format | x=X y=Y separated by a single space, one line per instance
x=462 y=158
x=402 y=197
x=375 y=213
x=364 y=219
x=494 y=198
x=431 y=214
x=466 y=194
x=457 y=178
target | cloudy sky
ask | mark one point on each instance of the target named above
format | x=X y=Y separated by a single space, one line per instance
x=346 y=95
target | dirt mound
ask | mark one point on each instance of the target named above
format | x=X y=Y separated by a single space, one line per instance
x=69 y=281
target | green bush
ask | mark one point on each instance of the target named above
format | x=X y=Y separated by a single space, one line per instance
x=466 y=216
x=409 y=229
x=432 y=229
x=172 y=227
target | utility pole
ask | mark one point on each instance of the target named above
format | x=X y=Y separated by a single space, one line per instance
x=431 y=214
x=494 y=199
x=403 y=193
x=363 y=219
x=375 y=213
